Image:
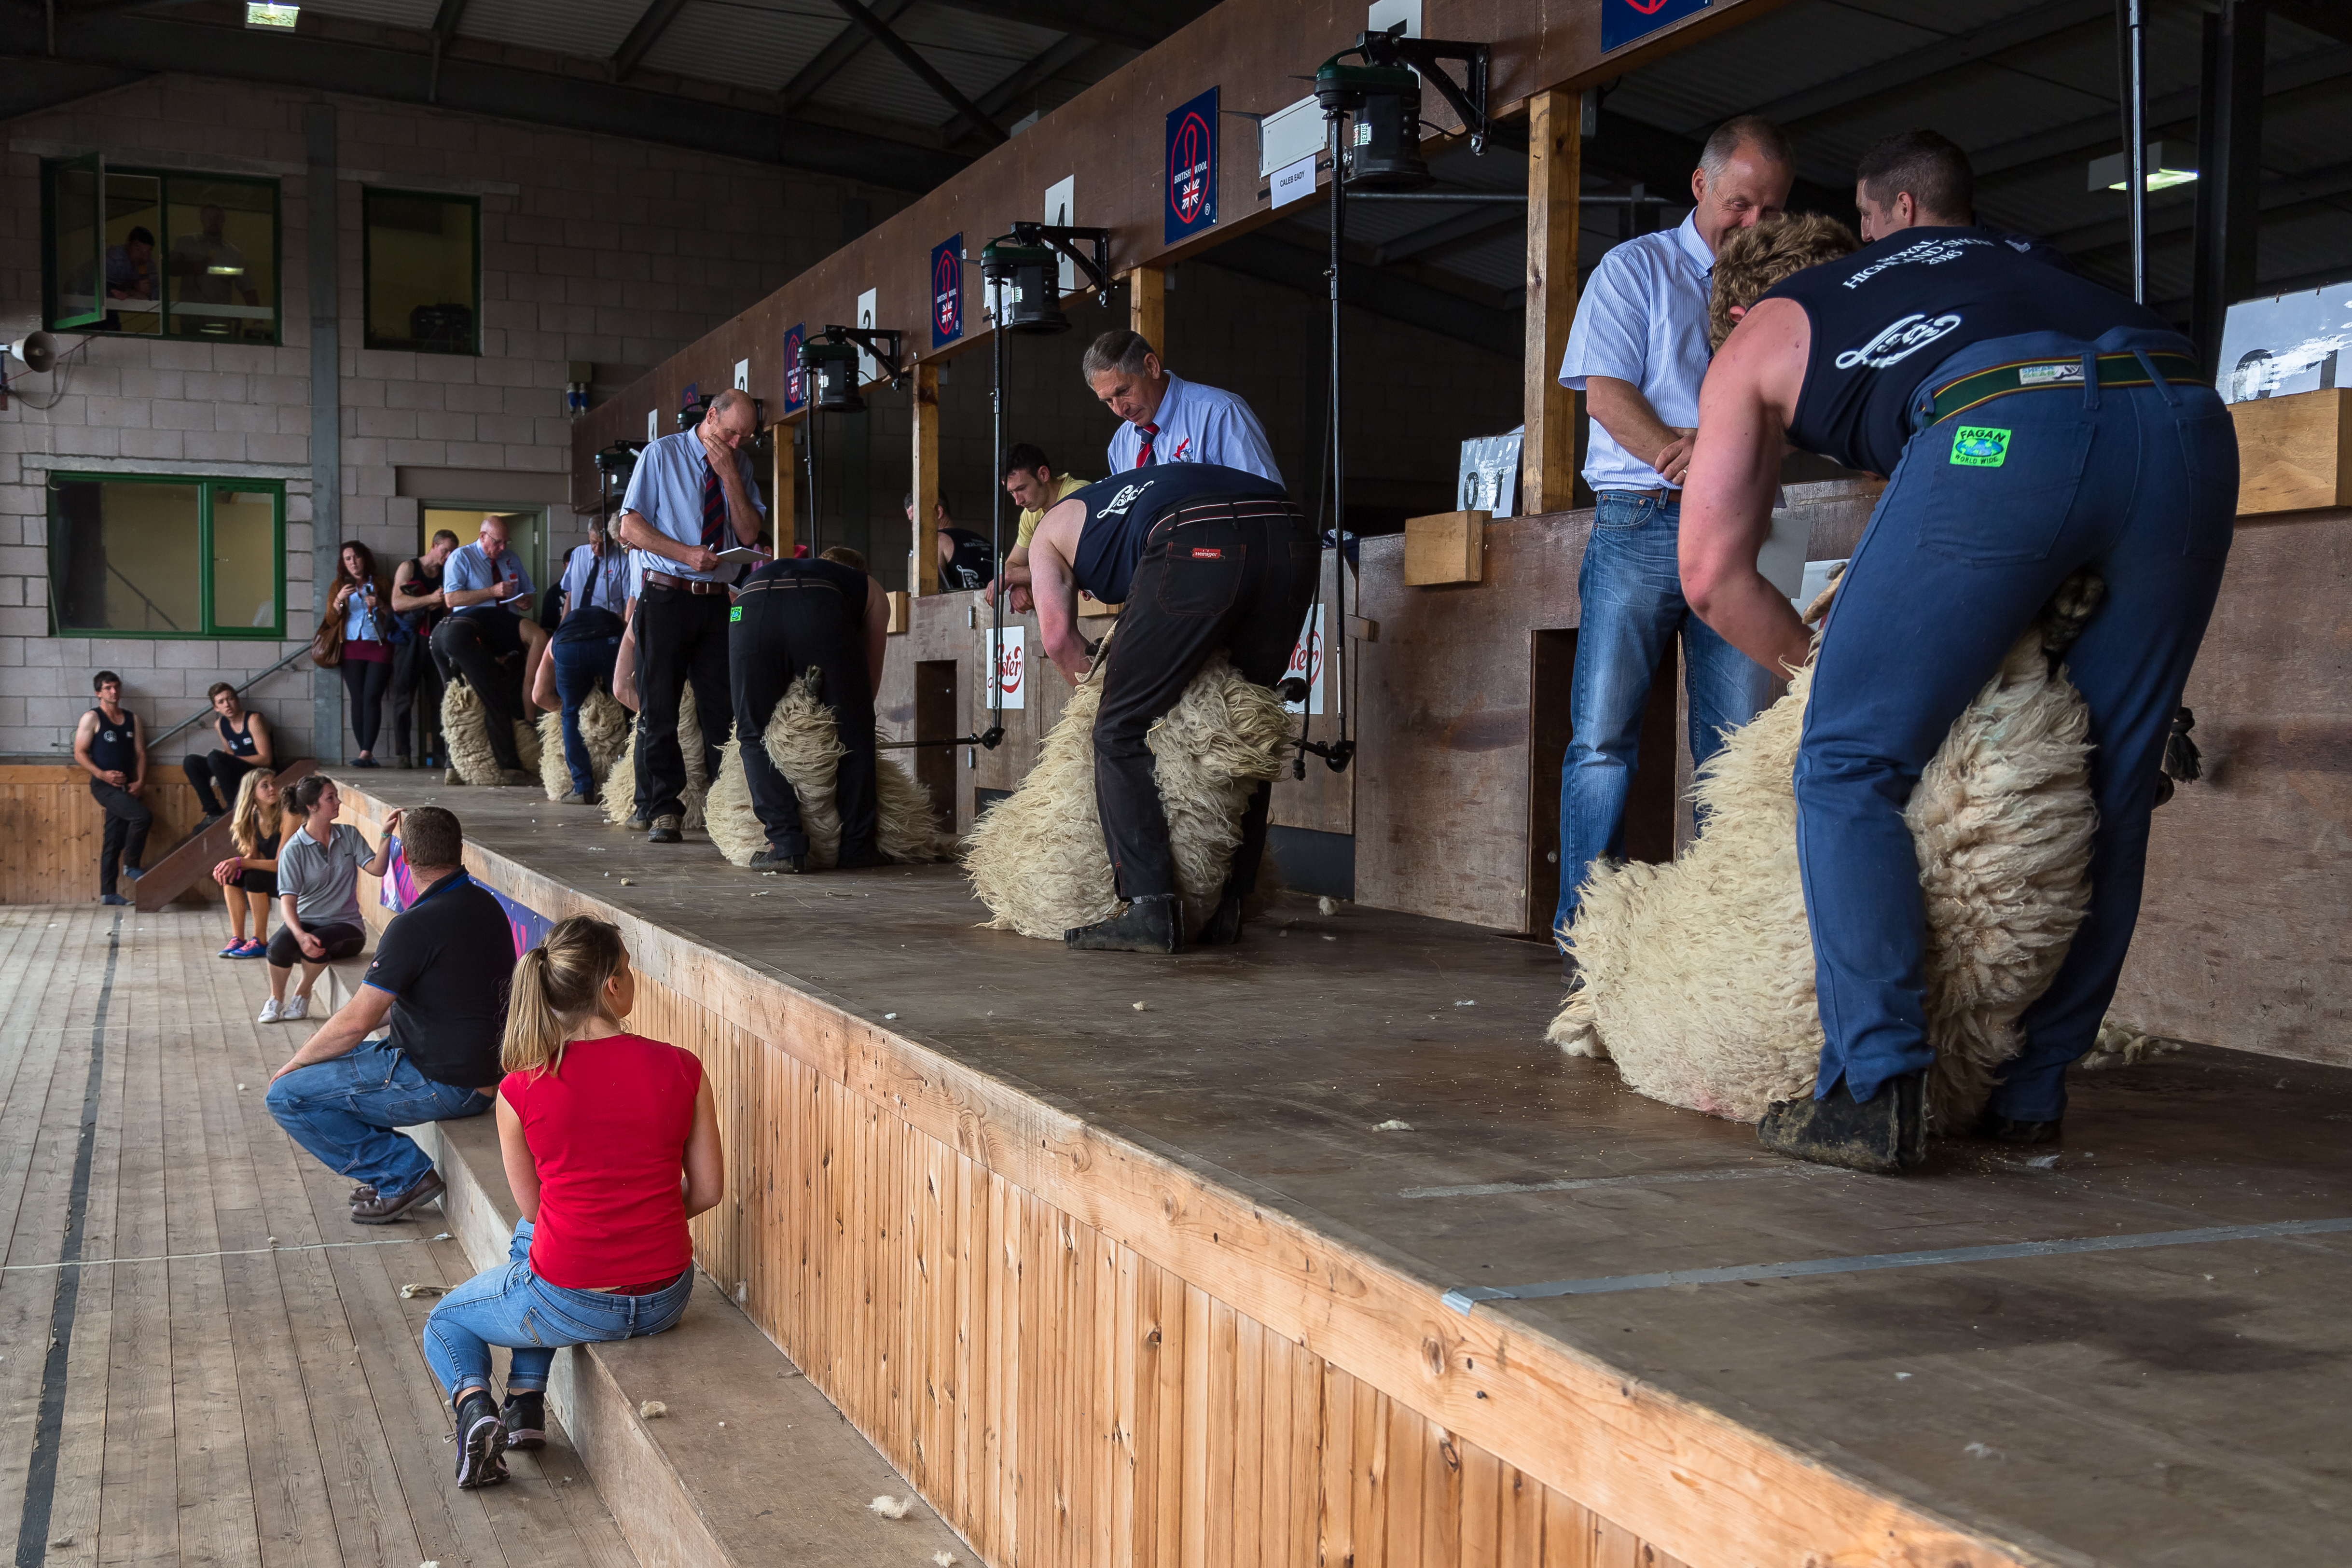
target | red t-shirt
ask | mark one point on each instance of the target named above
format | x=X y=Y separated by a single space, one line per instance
x=608 y=1133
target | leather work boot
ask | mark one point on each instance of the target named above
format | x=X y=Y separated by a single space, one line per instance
x=1150 y=924
x=511 y=778
x=1884 y=1135
x=775 y=860
x=665 y=830
x=383 y=1208
x=1225 y=927
x=2001 y=1128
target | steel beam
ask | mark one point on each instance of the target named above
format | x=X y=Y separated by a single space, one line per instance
x=845 y=47
x=907 y=56
x=1892 y=76
x=650 y=25
x=1134 y=24
x=2313 y=188
x=1269 y=257
x=1473 y=227
x=1064 y=53
x=2229 y=169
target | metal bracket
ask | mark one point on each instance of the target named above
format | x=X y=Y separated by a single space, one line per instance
x=1467 y=99
x=883 y=344
x=1064 y=239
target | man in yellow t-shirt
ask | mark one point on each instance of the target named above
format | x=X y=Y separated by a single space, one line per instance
x=1031 y=481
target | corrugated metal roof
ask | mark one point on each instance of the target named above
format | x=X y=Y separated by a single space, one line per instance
x=593 y=28
x=745 y=43
x=392 y=13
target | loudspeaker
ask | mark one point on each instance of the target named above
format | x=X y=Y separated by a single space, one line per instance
x=37 y=349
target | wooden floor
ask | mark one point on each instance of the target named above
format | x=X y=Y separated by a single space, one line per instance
x=251 y=1390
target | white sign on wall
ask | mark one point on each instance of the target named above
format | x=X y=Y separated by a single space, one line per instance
x=1306 y=659
x=1291 y=132
x=1294 y=182
x=1008 y=666
x=2287 y=344
x=868 y=368
x=1061 y=210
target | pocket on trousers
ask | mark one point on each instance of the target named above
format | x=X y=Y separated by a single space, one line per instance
x=1201 y=579
x=2209 y=453
x=1999 y=490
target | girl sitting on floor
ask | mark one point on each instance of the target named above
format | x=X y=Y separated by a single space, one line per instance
x=611 y=1144
x=248 y=878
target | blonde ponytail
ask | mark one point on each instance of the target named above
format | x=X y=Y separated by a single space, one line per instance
x=558 y=986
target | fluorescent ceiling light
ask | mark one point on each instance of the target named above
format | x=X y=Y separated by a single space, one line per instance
x=258 y=13
x=225 y=271
x=2169 y=164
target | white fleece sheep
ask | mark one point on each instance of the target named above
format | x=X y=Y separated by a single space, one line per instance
x=620 y=796
x=464 y=725
x=1699 y=975
x=1038 y=858
x=603 y=729
x=804 y=744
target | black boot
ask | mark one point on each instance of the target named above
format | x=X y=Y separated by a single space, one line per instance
x=1225 y=927
x=1884 y=1135
x=2001 y=1128
x=1151 y=924
x=775 y=860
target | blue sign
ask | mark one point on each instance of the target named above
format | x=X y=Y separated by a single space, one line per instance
x=1190 y=200
x=795 y=380
x=946 y=291
x=1623 y=21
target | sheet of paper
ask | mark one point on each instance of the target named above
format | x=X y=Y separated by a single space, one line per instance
x=743 y=553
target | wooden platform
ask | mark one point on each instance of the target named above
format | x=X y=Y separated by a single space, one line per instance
x=1158 y=1285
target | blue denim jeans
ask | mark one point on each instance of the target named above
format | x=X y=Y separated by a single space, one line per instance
x=344 y=1113
x=2140 y=484
x=512 y=1306
x=578 y=667
x=1630 y=593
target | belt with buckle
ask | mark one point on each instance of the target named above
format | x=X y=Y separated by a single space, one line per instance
x=683 y=584
x=2038 y=375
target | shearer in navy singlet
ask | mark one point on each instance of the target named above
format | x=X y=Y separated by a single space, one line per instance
x=2030 y=424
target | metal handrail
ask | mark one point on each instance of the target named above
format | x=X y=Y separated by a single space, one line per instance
x=242 y=686
x=150 y=603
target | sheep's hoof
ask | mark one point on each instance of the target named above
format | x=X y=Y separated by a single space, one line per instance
x=1882 y=1136
x=1151 y=924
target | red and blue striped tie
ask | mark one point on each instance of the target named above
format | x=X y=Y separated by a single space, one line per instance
x=1143 y=452
x=714 y=512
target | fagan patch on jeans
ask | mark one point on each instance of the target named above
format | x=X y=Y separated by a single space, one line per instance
x=1979 y=446
x=736 y=613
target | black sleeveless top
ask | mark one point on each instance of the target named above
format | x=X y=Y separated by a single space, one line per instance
x=115 y=747
x=1121 y=511
x=1888 y=316
x=426 y=580
x=240 y=742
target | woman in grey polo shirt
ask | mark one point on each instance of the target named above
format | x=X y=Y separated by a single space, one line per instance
x=319 y=869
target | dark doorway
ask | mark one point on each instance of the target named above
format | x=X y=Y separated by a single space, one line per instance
x=939 y=714
x=1649 y=814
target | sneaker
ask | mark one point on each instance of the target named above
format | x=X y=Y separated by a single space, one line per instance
x=665 y=830
x=236 y=949
x=481 y=1443
x=131 y=873
x=385 y=1207
x=525 y=1415
x=295 y=1006
x=211 y=817
x=270 y=1012
x=115 y=900
x=254 y=948
x=365 y=763
x=1153 y=923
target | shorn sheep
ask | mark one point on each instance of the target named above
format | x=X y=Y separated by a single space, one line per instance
x=1038 y=858
x=1699 y=975
x=464 y=724
x=603 y=729
x=620 y=796
x=804 y=744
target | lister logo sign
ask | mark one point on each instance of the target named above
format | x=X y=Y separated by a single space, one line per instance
x=1008 y=660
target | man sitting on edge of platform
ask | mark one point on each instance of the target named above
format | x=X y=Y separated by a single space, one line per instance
x=1205 y=558
x=1170 y=419
x=440 y=972
x=692 y=495
x=481 y=584
x=1030 y=479
x=790 y=615
x=2042 y=425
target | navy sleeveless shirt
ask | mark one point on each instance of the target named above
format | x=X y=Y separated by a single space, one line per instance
x=1888 y=316
x=115 y=747
x=1121 y=511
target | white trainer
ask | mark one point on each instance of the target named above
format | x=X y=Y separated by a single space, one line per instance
x=296 y=1005
x=270 y=1012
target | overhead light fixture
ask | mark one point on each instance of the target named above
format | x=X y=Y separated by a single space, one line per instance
x=2167 y=166
x=258 y=13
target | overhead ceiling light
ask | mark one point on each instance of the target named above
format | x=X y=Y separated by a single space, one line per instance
x=260 y=14
x=2167 y=166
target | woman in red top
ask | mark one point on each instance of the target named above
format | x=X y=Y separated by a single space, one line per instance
x=611 y=1145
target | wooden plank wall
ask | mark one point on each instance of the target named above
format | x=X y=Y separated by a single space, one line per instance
x=1059 y=1398
x=50 y=830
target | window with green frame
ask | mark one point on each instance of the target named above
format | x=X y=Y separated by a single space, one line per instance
x=423 y=269
x=159 y=252
x=156 y=555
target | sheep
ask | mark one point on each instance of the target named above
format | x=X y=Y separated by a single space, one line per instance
x=804 y=744
x=464 y=725
x=603 y=729
x=620 y=796
x=1699 y=975
x=1038 y=858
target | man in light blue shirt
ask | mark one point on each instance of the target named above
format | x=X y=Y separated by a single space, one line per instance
x=1638 y=353
x=691 y=496
x=482 y=637
x=1170 y=420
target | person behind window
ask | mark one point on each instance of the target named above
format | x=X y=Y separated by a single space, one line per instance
x=110 y=748
x=210 y=271
x=129 y=273
x=362 y=596
x=318 y=867
x=248 y=878
x=415 y=679
x=245 y=746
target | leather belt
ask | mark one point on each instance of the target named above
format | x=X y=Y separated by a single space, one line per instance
x=2059 y=374
x=1662 y=495
x=683 y=584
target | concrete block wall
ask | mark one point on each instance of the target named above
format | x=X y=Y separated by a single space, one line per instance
x=592 y=247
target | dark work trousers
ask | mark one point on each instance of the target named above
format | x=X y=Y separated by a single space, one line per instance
x=210 y=768
x=1236 y=576
x=681 y=637
x=489 y=654
x=125 y=841
x=786 y=625
x=416 y=700
x=582 y=664
x=365 y=680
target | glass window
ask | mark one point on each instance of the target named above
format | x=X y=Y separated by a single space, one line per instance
x=175 y=255
x=136 y=556
x=424 y=272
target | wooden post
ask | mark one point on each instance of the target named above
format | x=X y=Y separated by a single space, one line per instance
x=784 y=491
x=923 y=567
x=1147 y=307
x=1548 y=451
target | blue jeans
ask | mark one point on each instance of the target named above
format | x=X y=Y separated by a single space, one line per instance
x=2139 y=484
x=579 y=665
x=344 y=1113
x=1629 y=591
x=512 y=1306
